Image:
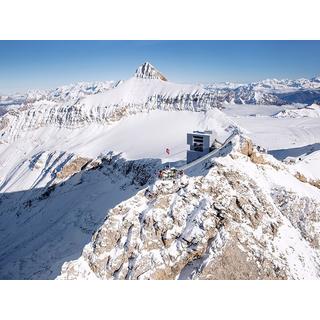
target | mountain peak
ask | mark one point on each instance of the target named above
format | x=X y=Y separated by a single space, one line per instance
x=316 y=78
x=148 y=71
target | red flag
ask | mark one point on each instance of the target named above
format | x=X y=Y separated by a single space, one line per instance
x=167 y=151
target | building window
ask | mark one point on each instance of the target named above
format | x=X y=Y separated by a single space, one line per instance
x=197 y=143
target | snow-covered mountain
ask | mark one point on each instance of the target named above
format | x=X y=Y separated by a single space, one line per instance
x=269 y=91
x=148 y=71
x=272 y=85
x=142 y=92
x=276 y=85
x=77 y=161
x=242 y=216
x=70 y=92
x=312 y=111
x=243 y=94
x=56 y=184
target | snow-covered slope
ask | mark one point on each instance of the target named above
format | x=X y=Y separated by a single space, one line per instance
x=44 y=225
x=82 y=154
x=140 y=93
x=312 y=111
x=282 y=137
x=309 y=165
x=138 y=90
x=228 y=220
x=136 y=137
x=63 y=93
x=57 y=183
x=137 y=94
x=243 y=94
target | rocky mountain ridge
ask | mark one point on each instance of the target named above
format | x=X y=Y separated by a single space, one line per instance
x=56 y=216
x=262 y=92
x=148 y=71
x=80 y=159
x=233 y=218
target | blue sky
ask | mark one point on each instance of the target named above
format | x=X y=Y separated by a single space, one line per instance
x=46 y=64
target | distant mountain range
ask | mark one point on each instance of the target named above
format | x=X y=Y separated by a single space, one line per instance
x=71 y=92
x=269 y=91
x=273 y=85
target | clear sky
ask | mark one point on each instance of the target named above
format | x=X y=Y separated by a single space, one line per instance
x=46 y=64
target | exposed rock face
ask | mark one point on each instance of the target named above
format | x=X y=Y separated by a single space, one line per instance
x=306 y=219
x=3 y=123
x=148 y=71
x=72 y=167
x=302 y=178
x=246 y=147
x=51 y=220
x=234 y=264
x=226 y=222
x=75 y=106
x=90 y=105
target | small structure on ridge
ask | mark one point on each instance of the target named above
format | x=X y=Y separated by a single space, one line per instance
x=201 y=143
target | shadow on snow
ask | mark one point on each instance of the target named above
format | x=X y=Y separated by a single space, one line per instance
x=42 y=228
x=281 y=154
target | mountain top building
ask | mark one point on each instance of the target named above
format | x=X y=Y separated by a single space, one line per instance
x=200 y=143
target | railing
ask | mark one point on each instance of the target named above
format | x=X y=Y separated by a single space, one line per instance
x=210 y=154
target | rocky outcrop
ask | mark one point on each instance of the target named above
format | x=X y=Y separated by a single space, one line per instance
x=3 y=123
x=234 y=264
x=148 y=71
x=226 y=222
x=73 y=167
x=303 y=213
x=302 y=178
x=51 y=219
